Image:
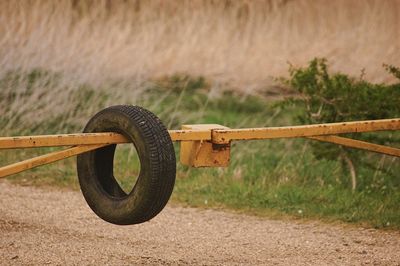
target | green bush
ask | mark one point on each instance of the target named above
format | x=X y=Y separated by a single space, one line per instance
x=337 y=97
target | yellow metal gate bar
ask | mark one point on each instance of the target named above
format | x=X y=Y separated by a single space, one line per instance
x=224 y=136
x=89 y=138
x=218 y=136
x=352 y=143
x=46 y=159
x=202 y=145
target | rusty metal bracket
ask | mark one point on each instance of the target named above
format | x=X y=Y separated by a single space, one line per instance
x=204 y=153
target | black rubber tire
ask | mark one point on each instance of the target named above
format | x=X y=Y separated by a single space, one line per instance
x=156 y=179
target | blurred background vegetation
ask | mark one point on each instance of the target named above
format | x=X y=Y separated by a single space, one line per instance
x=222 y=62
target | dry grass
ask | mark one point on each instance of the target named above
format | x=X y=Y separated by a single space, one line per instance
x=123 y=44
x=242 y=43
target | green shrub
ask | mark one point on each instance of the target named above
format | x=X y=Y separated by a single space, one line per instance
x=337 y=97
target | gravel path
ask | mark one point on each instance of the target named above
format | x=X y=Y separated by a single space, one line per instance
x=46 y=226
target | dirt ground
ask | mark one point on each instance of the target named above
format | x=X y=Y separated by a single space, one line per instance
x=41 y=226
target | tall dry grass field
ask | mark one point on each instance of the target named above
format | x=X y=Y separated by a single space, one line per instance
x=122 y=44
x=240 y=42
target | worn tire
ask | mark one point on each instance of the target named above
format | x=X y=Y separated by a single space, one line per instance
x=156 y=179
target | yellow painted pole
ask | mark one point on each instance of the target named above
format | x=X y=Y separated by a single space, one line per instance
x=19 y=142
x=46 y=159
x=84 y=142
x=358 y=144
x=222 y=136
